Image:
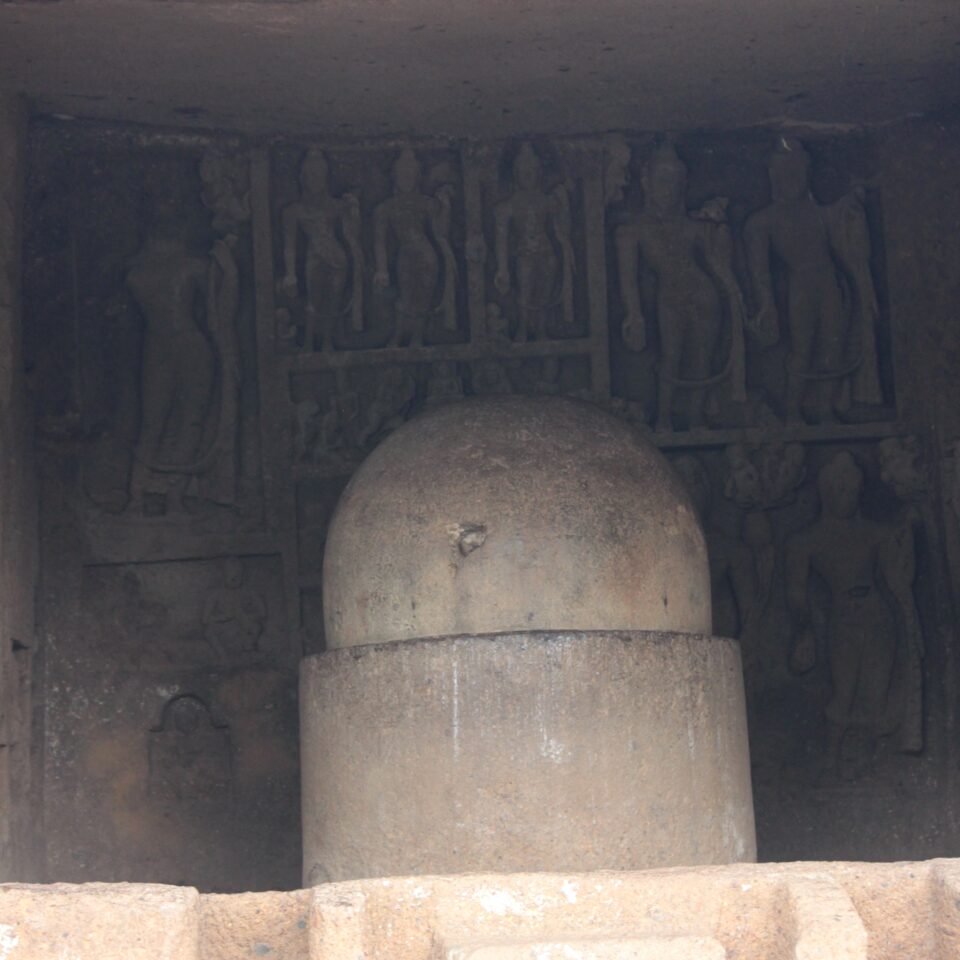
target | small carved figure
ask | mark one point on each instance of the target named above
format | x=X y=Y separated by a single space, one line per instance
x=547 y=383
x=531 y=225
x=225 y=192
x=764 y=476
x=286 y=329
x=745 y=566
x=489 y=378
x=134 y=613
x=444 y=385
x=324 y=429
x=190 y=374
x=328 y=261
x=671 y=244
x=306 y=430
x=831 y=315
x=758 y=480
x=418 y=226
x=498 y=329
x=901 y=467
x=189 y=755
x=616 y=176
x=233 y=614
x=390 y=406
x=854 y=557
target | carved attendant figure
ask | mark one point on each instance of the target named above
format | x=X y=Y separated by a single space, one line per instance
x=415 y=222
x=327 y=265
x=852 y=556
x=181 y=366
x=808 y=238
x=233 y=615
x=670 y=244
x=524 y=223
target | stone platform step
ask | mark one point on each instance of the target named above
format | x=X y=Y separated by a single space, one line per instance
x=799 y=911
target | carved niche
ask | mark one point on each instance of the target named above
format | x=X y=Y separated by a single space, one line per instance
x=366 y=245
x=733 y=308
x=165 y=365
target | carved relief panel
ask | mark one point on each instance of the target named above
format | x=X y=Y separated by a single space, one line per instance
x=368 y=248
x=175 y=721
x=238 y=325
x=746 y=286
x=158 y=325
x=823 y=561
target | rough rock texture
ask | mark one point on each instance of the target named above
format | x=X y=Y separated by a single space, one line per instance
x=513 y=513
x=535 y=751
x=497 y=70
x=804 y=911
x=797 y=911
x=98 y=921
x=18 y=519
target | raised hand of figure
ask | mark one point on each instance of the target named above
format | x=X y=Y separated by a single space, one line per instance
x=502 y=282
x=288 y=285
x=381 y=278
x=634 y=331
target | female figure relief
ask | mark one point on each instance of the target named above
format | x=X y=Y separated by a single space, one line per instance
x=524 y=222
x=419 y=227
x=670 y=244
x=190 y=369
x=327 y=267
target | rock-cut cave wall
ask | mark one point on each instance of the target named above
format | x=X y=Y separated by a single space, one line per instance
x=218 y=330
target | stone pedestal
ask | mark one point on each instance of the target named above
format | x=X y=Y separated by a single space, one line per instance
x=544 y=751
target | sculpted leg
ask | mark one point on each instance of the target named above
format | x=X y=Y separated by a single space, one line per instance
x=803 y=324
x=671 y=351
x=831 y=340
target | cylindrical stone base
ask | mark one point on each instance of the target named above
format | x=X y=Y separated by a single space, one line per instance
x=524 y=752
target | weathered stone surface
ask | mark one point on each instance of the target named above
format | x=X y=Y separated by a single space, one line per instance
x=826 y=924
x=620 y=948
x=513 y=514
x=796 y=911
x=98 y=922
x=246 y=925
x=899 y=911
x=844 y=622
x=18 y=519
x=531 y=751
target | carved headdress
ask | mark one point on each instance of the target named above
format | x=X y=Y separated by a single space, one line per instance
x=840 y=470
x=664 y=157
